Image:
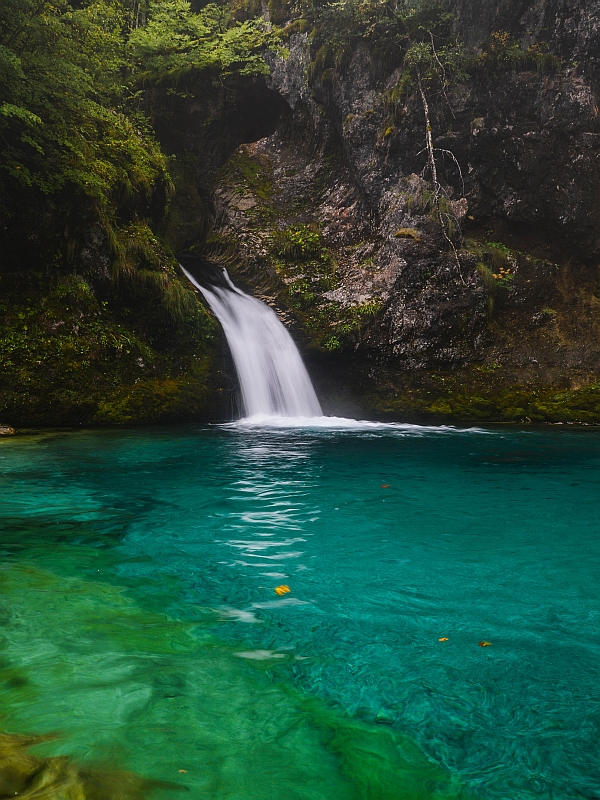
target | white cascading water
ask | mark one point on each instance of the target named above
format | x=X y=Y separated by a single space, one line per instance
x=273 y=380
x=276 y=389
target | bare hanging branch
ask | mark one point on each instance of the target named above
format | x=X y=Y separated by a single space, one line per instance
x=443 y=72
x=428 y=137
x=431 y=163
x=453 y=157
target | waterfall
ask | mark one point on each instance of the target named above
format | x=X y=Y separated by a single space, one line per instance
x=273 y=379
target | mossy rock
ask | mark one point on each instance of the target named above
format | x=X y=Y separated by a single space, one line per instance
x=157 y=400
x=71 y=357
x=517 y=404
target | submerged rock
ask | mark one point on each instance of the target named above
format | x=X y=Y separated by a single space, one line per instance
x=55 y=778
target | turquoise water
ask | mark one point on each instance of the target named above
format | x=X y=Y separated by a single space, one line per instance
x=139 y=616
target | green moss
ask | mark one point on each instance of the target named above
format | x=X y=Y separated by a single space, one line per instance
x=454 y=399
x=71 y=356
x=298 y=268
x=408 y=233
x=298 y=242
x=328 y=325
x=151 y=400
x=332 y=326
x=249 y=172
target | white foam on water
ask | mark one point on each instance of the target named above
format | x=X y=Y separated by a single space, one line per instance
x=258 y=421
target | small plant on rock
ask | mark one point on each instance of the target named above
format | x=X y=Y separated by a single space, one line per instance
x=300 y=242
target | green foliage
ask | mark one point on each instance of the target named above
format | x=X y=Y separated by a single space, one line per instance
x=439 y=67
x=489 y=283
x=296 y=251
x=80 y=169
x=396 y=97
x=501 y=51
x=177 y=42
x=142 y=262
x=438 y=209
x=336 y=327
x=301 y=243
x=68 y=115
x=388 y=29
x=64 y=120
x=68 y=356
x=72 y=134
x=306 y=266
x=497 y=266
x=502 y=263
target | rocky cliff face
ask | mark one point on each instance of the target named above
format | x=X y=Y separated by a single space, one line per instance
x=479 y=301
x=331 y=219
x=573 y=28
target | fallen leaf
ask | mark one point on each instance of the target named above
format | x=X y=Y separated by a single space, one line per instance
x=183 y=770
x=282 y=589
x=485 y=644
x=385 y=486
x=443 y=639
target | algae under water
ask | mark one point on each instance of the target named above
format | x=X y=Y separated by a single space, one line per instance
x=140 y=622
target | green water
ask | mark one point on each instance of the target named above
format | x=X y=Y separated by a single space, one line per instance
x=139 y=617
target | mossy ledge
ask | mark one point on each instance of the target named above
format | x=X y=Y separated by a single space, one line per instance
x=447 y=397
x=73 y=354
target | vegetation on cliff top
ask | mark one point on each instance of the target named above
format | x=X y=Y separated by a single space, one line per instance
x=75 y=127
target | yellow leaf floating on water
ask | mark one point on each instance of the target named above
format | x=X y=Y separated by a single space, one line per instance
x=485 y=644
x=443 y=639
x=385 y=486
x=183 y=770
x=282 y=590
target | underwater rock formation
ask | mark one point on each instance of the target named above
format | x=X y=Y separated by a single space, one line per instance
x=26 y=775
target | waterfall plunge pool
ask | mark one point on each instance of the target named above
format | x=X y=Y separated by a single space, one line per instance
x=140 y=621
